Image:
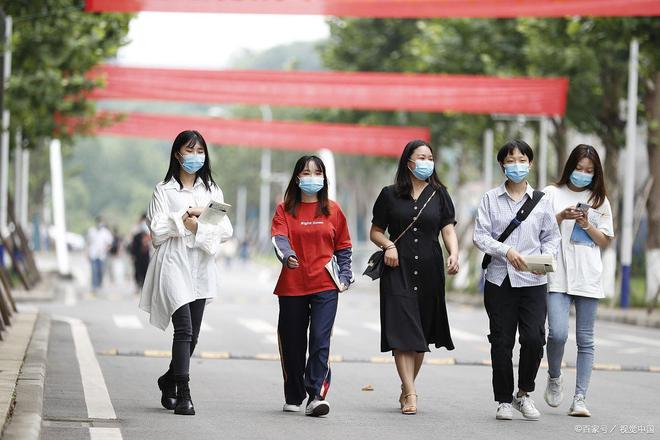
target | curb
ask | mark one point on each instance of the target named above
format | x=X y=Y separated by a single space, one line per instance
x=26 y=420
x=337 y=359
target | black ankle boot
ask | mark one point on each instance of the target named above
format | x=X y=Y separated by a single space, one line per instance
x=167 y=386
x=184 y=405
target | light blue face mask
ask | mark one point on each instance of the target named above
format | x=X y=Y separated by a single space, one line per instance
x=580 y=179
x=423 y=168
x=516 y=172
x=310 y=185
x=193 y=162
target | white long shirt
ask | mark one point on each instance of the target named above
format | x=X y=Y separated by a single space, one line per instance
x=182 y=268
x=579 y=268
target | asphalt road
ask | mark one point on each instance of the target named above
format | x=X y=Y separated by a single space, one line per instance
x=236 y=381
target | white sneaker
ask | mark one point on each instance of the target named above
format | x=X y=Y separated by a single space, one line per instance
x=579 y=408
x=291 y=408
x=504 y=412
x=553 y=391
x=317 y=408
x=525 y=405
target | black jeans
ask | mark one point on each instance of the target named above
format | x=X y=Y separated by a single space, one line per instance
x=317 y=313
x=187 y=321
x=510 y=308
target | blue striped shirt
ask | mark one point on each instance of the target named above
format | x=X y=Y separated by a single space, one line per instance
x=538 y=234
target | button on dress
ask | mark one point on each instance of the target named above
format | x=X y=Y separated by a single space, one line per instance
x=413 y=311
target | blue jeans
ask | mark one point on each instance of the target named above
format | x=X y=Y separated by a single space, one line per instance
x=97 y=273
x=559 y=305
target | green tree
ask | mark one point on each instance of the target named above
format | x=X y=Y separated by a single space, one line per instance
x=54 y=44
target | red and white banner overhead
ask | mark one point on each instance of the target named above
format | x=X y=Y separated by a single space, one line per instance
x=340 y=138
x=354 y=90
x=392 y=8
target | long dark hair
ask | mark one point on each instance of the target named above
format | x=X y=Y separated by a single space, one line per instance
x=185 y=139
x=597 y=185
x=293 y=194
x=403 y=181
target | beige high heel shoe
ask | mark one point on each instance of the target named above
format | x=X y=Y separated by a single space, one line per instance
x=402 y=399
x=409 y=409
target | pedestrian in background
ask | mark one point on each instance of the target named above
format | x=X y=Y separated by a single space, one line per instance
x=182 y=274
x=515 y=299
x=584 y=215
x=413 y=312
x=140 y=250
x=99 y=242
x=308 y=231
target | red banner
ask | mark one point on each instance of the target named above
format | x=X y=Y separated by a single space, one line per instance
x=285 y=135
x=392 y=8
x=354 y=90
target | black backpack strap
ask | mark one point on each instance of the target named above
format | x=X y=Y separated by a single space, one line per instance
x=520 y=217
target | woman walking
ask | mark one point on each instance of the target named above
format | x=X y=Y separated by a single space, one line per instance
x=413 y=313
x=309 y=231
x=182 y=272
x=584 y=216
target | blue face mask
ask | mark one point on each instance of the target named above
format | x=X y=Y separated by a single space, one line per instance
x=580 y=179
x=193 y=162
x=516 y=172
x=310 y=185
x=423 y=168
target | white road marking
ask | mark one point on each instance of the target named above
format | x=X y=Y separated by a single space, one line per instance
x=131 y=322
x=257 y=325
x=375 y=326
x=598 y=341
x=467 y=336
x=271 y=339
x=261 y=327
x=97 y=398
x=338 y=331
x=105 y=433
x=637 y=340
x=634 y=350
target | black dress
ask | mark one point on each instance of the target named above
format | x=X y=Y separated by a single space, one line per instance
x=413 y=312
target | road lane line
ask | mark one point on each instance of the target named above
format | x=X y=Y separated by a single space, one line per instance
x=637 y=340
x=130 y=322
x=105 y=433
x=467 y=336
x=338 y=331
x=598 y=341
x=257 y=325
x=375 y=326
x=97 y=398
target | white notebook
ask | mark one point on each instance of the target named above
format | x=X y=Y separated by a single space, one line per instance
x=333 y=269
x=540 y=263
x=214 y=213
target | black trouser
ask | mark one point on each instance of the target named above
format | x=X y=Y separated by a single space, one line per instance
x=298 y=313
x=510 y=308
x=187 y=321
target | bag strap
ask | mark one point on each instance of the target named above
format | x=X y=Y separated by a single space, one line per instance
x=520 y=217
x=415 y=218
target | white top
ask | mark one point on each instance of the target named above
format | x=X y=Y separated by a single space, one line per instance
x=182 y=268
x=579 y=268
x=99 y=240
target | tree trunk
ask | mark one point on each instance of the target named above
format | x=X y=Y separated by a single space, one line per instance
x=559 y=141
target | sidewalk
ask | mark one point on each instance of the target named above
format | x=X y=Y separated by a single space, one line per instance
x=639 y=317
x=12 y=354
